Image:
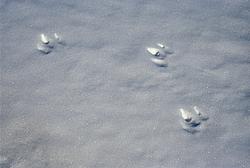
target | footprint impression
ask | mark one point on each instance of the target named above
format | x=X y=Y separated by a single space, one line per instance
x=160 y=54
x=46 y=44
x=191 y=121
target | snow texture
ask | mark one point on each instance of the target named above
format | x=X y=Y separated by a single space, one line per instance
x=99 y=102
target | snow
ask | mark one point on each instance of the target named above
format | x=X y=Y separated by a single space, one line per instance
x=97 y=101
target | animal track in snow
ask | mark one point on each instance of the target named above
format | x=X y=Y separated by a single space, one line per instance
x=200 y=115
x=46 y=44
x=159 y=62
x=191 y=121
x=159 y=54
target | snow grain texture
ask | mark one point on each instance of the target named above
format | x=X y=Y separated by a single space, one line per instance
x=98 y=102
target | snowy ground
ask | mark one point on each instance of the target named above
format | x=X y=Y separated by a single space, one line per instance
x=99 y=102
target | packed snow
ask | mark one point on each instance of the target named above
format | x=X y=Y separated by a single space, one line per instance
x=94 y=99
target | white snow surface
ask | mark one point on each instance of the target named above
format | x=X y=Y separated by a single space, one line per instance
x=99 y=102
